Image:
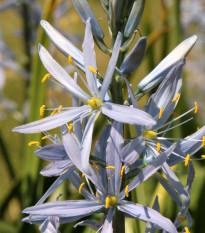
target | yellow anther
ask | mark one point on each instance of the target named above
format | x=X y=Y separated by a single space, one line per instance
x=96 y=194
x=175 y=114
x=187 y=160
x=203 y=156
x=186 y=230
x=70 y=128
x=83 y=175
x=197 y=128
x=45 y=137
x=59 y=107
x=98 y=201
x=80 y=188
x=45 y=78
x=96 y=167
x=110 y=167
x=32 y=143
x=130 y=163
x=126 y=191
x=92 y=70
x=176 y=98
x=54 y=112
x=181 y=218
x=158 y=146
x=160 y=112
x=113 y=201
x=42 y=109
x=122 y=170
x=94 y=103
x=203 y=143
x=196 y=107
x=70 y=60
x=149 y=134
x=107 y=202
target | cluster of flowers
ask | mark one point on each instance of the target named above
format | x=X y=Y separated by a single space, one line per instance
x=118 y=165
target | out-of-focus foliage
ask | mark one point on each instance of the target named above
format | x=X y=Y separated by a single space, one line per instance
x=21 y=94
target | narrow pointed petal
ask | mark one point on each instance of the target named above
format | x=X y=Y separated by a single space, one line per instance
x=53 y=152
x=63 y=44
x=162 y=69
x=84 y=11
x=149 y=170
x=107 y=226
x=90 y=59
x=168 y=89
x=127 y=114
x=191 y=176
x=135 y=57
x=53 y=121
x=86 y=143
x=60 y=74
x=111 y=65
x=148 y=215
x=65 y=208
x=113 y=158
x=88 y=223
x=56 y=168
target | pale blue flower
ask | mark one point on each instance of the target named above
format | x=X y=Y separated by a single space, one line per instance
x=107 y=183
x=95 y=103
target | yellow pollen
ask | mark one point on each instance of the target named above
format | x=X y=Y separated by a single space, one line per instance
x=98 y=201
x=203 y=143
x=42 y=109
x=175 y=114
x=32 y=143
x=176 y=98
x=113 y=201
x=160 y=112
x=108 y=178
x=60 y=106
x=187 y=160
x=80 y=188
x=96 y=194
x=54 y=112
x=130 y=163
x=203 y=156
x=126 y=191
x=107 y=202
x=197 y=128
x=110 y=167
x=70 y=60
x=92 y=70
x=181 y=218
x=94 y=103
x=45 y=137
x=186 y=230
x=196 y=107
x=158 y=146
x=45 y=78
x=122 y=171
x=149 y=134
x=83 y=175
x=70 y=128
x=96 y=167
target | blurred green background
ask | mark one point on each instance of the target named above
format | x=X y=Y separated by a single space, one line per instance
x=166 y=23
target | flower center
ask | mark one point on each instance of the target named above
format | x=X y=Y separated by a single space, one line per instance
x=149 y=134
x=94 y=103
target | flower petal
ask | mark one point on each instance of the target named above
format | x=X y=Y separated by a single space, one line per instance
x=162 y=69
x=107 y=226
x=63 y=44
x=148 y=215
x=53 y=121
x=127 y=114
x=90 y=59
x=111 y=65
x=50 y=225
x=60 y=74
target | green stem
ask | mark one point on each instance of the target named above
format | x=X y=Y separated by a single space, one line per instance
x=118 y=222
